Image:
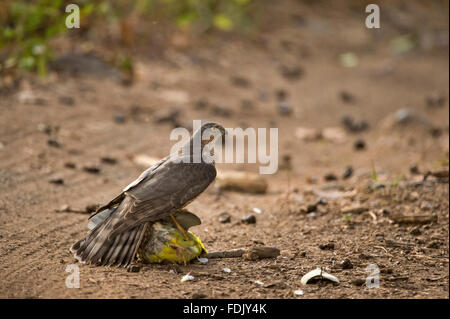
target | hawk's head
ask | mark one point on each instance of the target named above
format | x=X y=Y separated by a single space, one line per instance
x=210 y=132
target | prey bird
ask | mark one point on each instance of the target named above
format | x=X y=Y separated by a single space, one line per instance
x=117 y=228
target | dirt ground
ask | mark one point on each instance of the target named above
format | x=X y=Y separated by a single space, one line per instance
x=52 y=129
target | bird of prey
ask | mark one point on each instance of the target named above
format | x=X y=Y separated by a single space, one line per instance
x=117 y=229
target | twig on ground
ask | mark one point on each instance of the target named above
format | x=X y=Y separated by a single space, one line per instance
x=250 y=254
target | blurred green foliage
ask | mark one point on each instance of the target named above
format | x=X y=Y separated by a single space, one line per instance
x=26 y=27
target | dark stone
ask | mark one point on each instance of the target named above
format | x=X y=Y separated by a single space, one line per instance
x=70 y=165
x=359 y=145
x=250 y=219
x=225 y=218
x=291 y=73
x=134 y=268
x=311 y=208
x=348 y=172
x=330 y=177
x=281 y=95
x=346 y=97
x=284 y=108
x=93 y=169
x=57 y=181
x=354 y=126
x=108 y=160
x=414 y=169
x=119 y=118
x=53 y=142
x=346 y=264
x=327 y=246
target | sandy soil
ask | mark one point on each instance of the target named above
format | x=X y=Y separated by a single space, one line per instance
x=109 y=119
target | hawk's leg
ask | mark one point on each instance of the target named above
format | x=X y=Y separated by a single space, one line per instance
x=179 y=251
x=181 y=229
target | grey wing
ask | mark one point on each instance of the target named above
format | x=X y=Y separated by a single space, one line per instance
x=171 y=187
x=146 y=174
x=105 y=211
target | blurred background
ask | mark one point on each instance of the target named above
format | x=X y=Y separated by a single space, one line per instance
x=83 y=111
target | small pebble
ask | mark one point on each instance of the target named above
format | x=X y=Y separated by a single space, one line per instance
x=346 y=97
x=57 y=181
x=70 y=165
x=348 y=172
x=354 y=126
x=134 y=268
x=414 y=169
x=53 y=142
x=311 y=208
x=327 y=246
x=250 y=219
x=291 y=73
x=284 y=108
x=108 y=160
x=330 y=177
x=359 y=145
x=119 y=118
x=281 y=95
x=346 y=264
x=225 y=218
x=92 y=169
x=45 y=128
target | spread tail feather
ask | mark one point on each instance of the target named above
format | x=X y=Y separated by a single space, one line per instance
x=99 y=248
